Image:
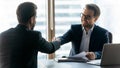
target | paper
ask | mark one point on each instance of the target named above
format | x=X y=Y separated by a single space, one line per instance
x=80 y=56
x=95 y=62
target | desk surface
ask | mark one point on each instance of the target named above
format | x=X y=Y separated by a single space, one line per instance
x=55 y=64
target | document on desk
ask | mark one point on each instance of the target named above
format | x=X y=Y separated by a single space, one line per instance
x=95 y=62
x=81 y=57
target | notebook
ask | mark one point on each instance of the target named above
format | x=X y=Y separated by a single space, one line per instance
x=110 y=55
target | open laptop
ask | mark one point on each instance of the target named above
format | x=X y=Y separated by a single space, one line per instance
x=110 y=55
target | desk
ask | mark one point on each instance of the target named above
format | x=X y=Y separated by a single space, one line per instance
x=55 y=64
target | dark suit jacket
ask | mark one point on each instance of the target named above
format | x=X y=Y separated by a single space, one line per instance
x=19 y=47
x=98 y=38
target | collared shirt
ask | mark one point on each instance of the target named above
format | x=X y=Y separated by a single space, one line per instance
x=84 y=46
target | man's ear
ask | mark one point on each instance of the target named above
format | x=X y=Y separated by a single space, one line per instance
x=32 y=20
x=96 y=18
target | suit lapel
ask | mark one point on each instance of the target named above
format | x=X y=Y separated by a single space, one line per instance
x=92 y=38
x=80 y=37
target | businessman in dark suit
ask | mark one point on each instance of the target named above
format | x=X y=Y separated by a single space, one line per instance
x=19 y=46
x=87 y=36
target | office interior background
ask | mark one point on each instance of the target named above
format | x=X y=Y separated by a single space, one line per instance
x=66 y=13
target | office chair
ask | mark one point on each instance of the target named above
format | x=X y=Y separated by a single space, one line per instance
x=110 y=37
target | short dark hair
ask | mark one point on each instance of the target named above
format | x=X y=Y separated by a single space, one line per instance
x=25 y=11
x=95 y=8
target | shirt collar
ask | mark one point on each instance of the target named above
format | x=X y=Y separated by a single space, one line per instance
x=90 y=29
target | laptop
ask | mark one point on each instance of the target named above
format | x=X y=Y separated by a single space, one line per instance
x=110 y=55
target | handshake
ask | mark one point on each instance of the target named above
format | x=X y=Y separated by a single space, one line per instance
x=56 y=39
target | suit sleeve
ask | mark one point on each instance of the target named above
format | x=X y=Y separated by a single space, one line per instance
x=66 y=37
x=47 y=47
x=106 y=39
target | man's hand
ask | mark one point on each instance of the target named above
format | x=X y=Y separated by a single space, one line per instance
x=56 y=39
x=90 y=55
x=53 y=39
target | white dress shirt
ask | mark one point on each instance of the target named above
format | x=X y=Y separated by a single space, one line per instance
x=84 y=46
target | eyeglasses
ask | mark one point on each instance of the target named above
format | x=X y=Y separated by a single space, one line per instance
x=88 y=17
